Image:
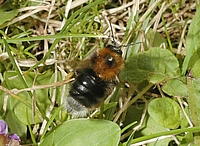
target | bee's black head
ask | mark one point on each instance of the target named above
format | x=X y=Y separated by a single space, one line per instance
x=116 y=49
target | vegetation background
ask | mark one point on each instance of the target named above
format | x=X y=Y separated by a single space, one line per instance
x=156 y=101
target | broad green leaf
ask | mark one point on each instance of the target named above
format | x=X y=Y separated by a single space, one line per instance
x=158 y=38
x=135 y=110
x=156 y=65
x=137 y=67
x=187 y=139
x=175 y=87
x=165 y=112
x=2 y=100
x=13 y=82
x=15 y=126
x=149 y=127
x=7 y=15
x=195 y=63
x=16 y=109
x=192 y=41
x=21 y=111
x=86 y=132
x=194 y=101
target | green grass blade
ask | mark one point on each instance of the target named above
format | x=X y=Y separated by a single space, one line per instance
x=50 y=121
x=18 y=71
x=172 y=132
x=80 y=13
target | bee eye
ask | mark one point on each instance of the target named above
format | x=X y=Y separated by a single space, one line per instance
x=110 y=61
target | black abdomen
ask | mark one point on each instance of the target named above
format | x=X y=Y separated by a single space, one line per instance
x=88 y=89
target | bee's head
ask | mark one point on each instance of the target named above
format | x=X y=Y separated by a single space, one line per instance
x=116 y=49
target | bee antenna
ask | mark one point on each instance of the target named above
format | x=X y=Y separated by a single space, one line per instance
x=113 y=40
x=130 y=44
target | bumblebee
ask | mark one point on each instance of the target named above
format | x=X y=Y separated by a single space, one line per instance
x=94 y=80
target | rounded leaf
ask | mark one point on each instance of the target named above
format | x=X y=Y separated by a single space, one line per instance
x=175 y=87
x=79 y=132
x=165 y=112
x=23 y=112
x=155 y=65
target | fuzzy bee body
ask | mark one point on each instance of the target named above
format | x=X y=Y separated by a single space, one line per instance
x=88 y=89
x=92 y=82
